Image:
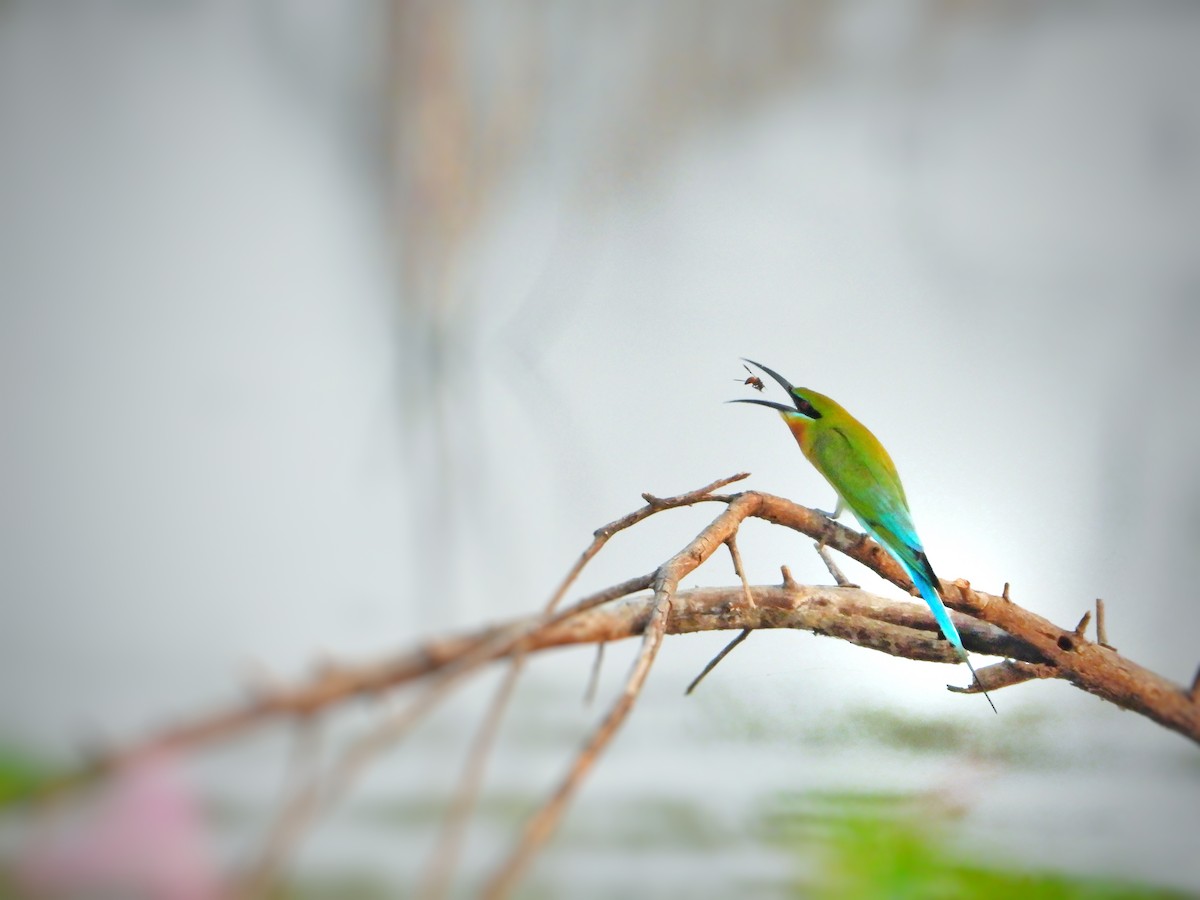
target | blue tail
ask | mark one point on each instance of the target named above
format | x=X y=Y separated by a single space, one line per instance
x=942 y=616
x=914 y=561
x=893 y=530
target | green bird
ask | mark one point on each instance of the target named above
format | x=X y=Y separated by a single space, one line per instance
x=862 y=473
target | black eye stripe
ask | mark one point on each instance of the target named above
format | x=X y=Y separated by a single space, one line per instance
x=806 y=408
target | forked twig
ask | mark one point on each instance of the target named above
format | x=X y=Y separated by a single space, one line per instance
x=666 y=582
x=441 y=866
x=747 y=598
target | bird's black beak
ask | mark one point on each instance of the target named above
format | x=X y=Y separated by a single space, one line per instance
x=783 y=382
x=782 y=407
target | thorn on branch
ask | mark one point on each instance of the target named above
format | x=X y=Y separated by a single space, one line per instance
x=1101 y=627
x=964 y=591
x=1081 y=628
x=789 y=583
x=1004 y=595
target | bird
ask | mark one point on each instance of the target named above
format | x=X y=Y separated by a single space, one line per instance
x=861 y=472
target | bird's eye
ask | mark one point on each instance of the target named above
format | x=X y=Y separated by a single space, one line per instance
x=807 y=408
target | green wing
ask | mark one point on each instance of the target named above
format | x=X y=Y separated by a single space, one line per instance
x=860 y=470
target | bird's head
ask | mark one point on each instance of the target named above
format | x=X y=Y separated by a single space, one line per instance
x=805 y=408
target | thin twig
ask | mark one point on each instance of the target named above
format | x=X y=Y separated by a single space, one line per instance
x=839 y=579
x=712 y=663
x=653 y=505
x=594 y=679
x=346 y=768
x=747 y=598
x=301 y=792
x=731 y=543
x=446 y=849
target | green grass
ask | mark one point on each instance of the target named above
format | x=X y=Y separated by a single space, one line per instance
x=22 y=774
x=882 y=845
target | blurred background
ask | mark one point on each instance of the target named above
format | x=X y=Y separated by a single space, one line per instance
x=328 y=327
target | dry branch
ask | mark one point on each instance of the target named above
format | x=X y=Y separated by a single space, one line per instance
x=1033 y=647
x=851 y=614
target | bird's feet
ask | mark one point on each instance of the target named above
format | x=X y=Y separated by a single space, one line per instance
x=836 y=513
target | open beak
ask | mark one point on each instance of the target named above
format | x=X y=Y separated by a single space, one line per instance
x=783 y=382
x=782 y=407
